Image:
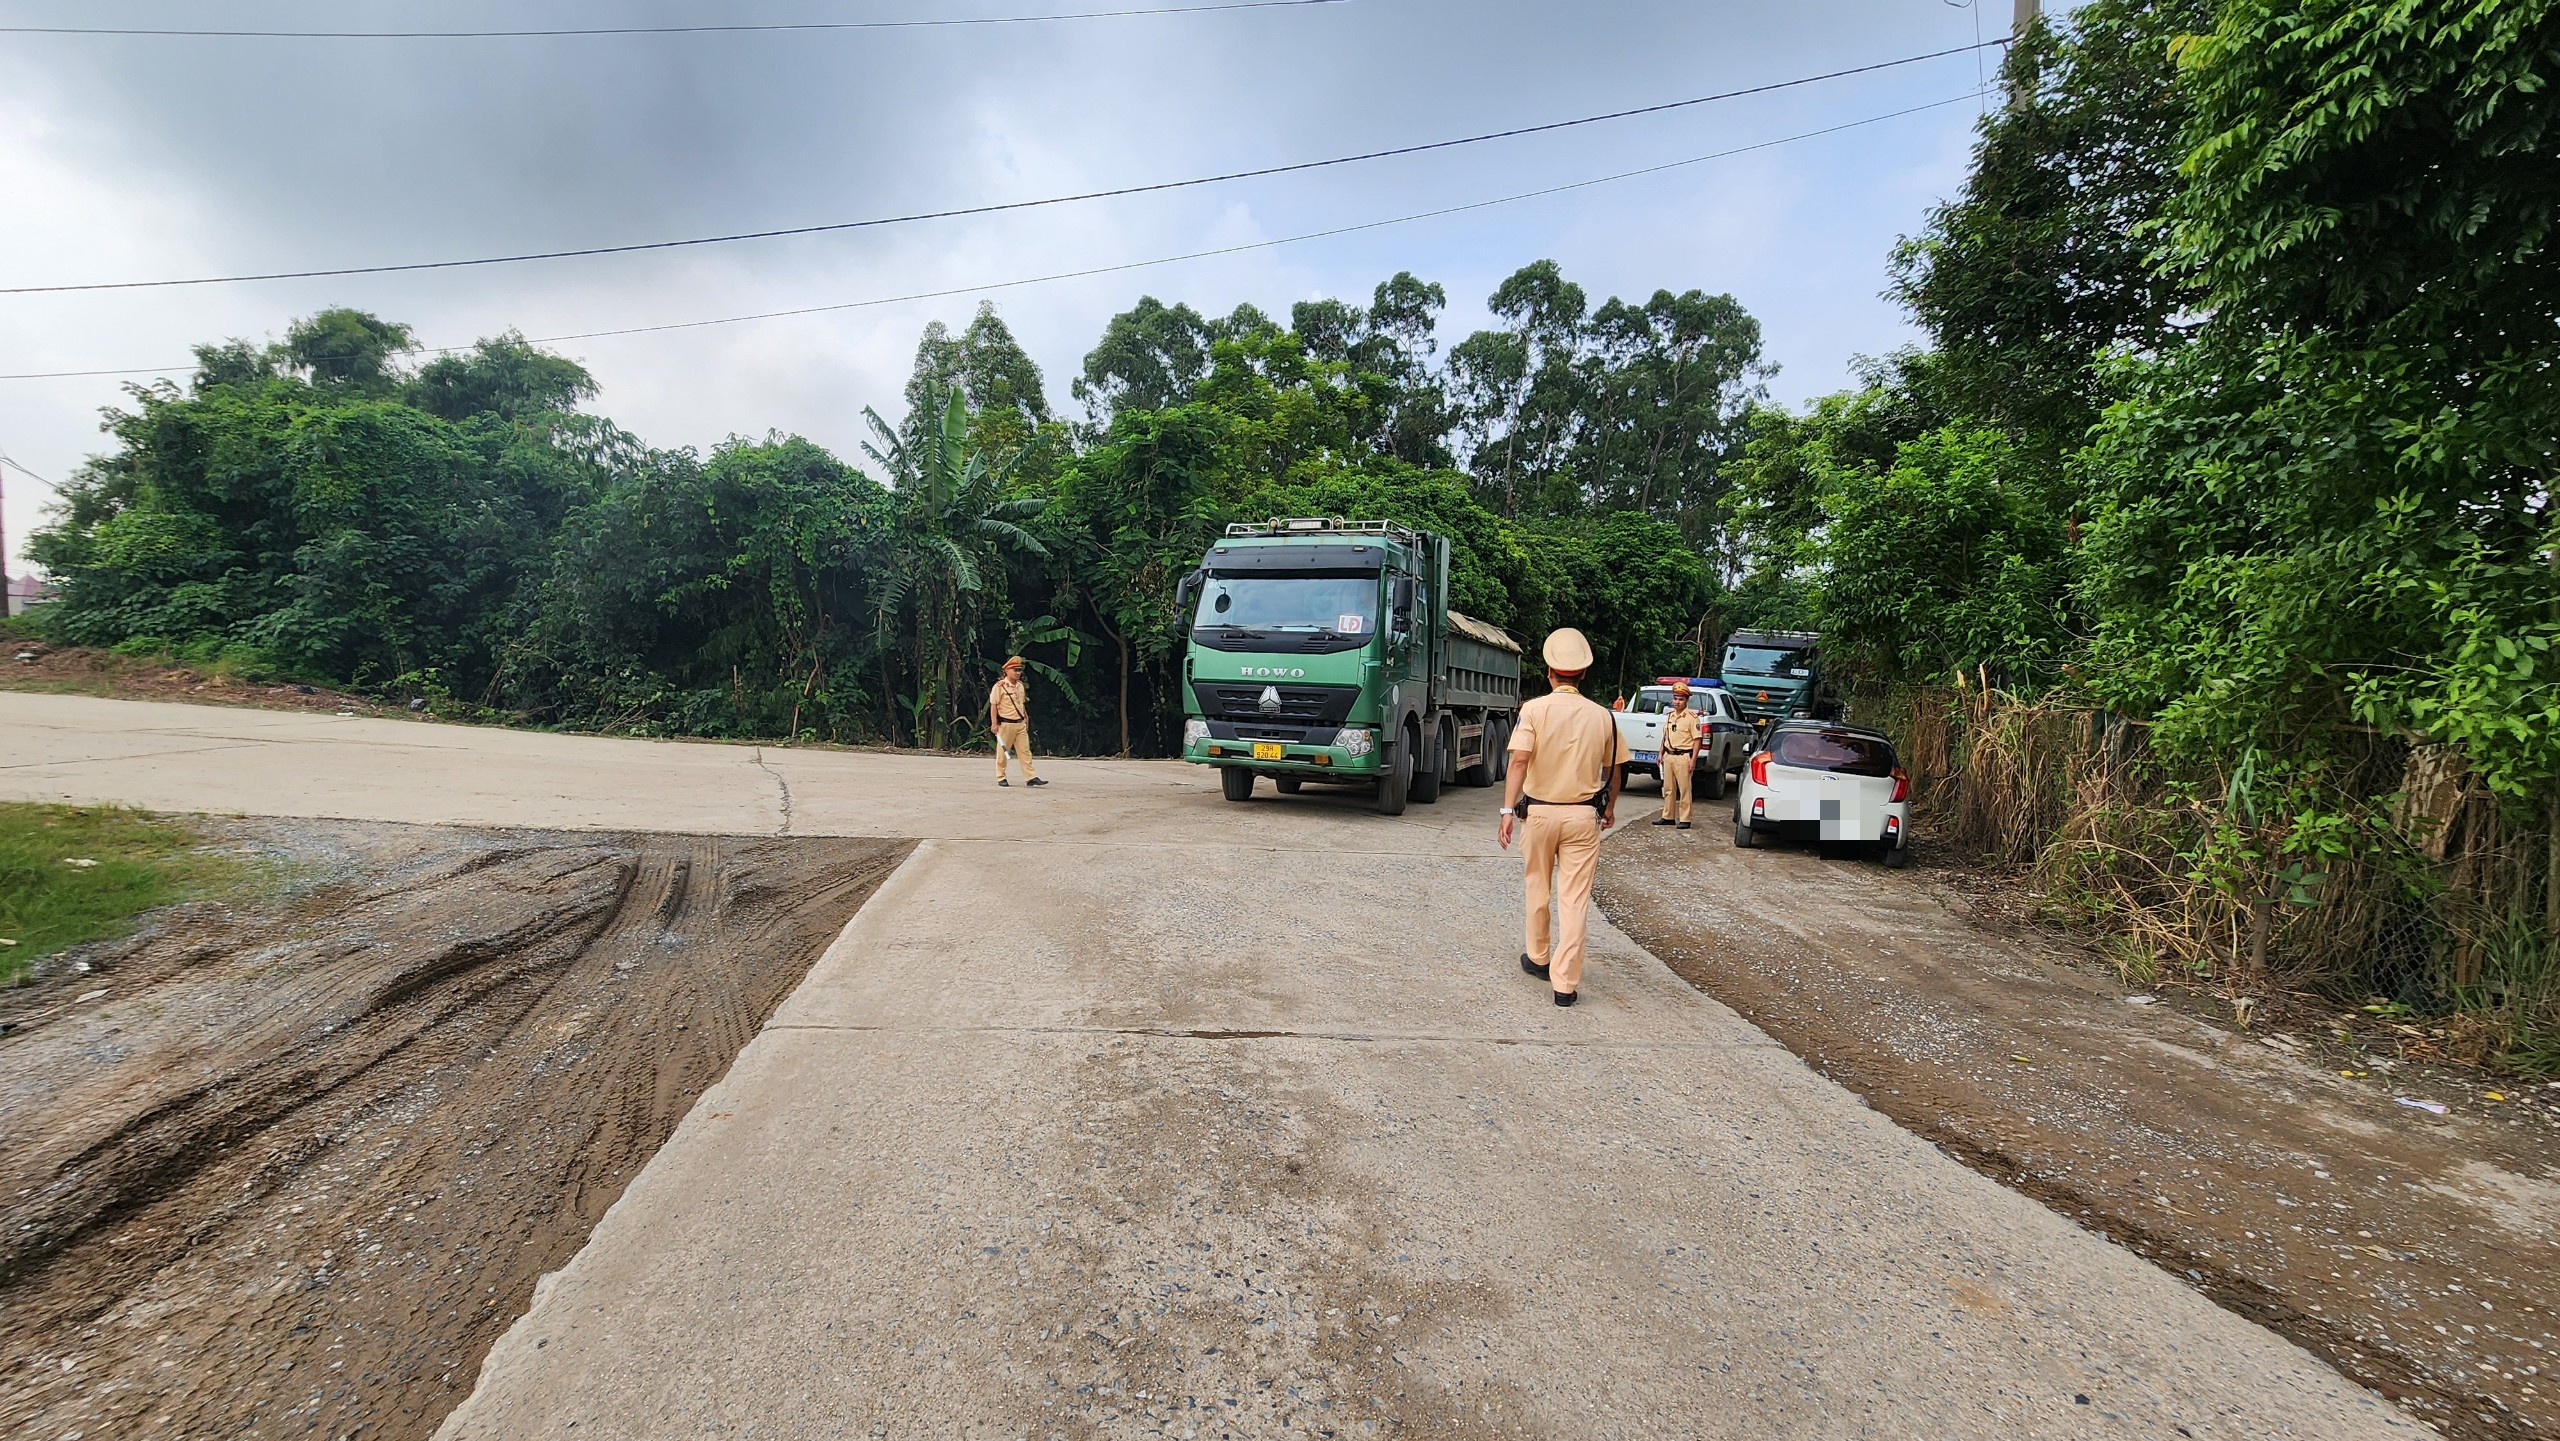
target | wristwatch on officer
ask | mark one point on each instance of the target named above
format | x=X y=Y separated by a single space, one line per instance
x=1506 y=810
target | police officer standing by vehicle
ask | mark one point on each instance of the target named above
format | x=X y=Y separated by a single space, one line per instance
x=1561 y=793
x=1679 y=756
x=1009 y=716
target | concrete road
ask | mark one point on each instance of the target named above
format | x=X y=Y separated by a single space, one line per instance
x=1122 y=1110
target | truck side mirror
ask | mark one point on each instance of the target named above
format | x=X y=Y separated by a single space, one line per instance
x=1187 y=591
x=1401 y=593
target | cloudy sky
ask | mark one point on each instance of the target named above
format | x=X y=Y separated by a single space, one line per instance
x=131 y=158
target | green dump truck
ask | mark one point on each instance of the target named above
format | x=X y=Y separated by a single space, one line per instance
x=1324 y=650
x=1776 y=675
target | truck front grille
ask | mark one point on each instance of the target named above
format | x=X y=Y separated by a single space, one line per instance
x=1300 y=705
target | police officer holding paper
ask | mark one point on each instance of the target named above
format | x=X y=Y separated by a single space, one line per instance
x=1562 y=792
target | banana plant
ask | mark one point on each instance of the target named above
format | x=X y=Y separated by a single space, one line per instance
x=950 y=521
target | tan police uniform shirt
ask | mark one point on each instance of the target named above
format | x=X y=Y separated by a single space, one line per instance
x=1011 y=700
x=1571 y=742
x=1680 y=731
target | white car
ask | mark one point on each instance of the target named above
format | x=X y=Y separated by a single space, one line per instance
x=1824 y=781
x=1724 y=737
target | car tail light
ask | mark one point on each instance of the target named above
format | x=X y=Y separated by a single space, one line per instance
x=1892 y=827
x=1759 y=807
x=1901 y=784
x=1760 y=769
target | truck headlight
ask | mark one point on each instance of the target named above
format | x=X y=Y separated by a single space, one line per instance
x=1194 y=731
x=1356 y=740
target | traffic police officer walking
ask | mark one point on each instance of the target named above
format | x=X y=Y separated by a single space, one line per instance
x=1679 y=755
x=1009 y=716
x=1565 y=753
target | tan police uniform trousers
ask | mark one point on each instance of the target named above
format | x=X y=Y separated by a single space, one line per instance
x=1013 y=737
x=1676 y=775
x=1562 y=846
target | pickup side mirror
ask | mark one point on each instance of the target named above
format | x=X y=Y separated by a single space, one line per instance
x=1187 y=591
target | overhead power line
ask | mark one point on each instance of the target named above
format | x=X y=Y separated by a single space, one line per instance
x=1123 y=266
x=1157 y=187
x=732 y=29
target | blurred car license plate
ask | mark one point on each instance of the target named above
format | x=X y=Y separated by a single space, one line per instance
x=1647 y=757
x=1266 y=750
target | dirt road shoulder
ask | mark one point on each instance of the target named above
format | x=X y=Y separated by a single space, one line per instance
x=291 y=1167
x=2414 y=1252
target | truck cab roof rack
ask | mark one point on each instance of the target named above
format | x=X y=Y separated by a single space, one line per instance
x=1325 y=525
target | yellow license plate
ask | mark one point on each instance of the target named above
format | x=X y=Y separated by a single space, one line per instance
x=1266 y=750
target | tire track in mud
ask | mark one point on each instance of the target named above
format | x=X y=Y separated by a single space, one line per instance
x=299 y=1168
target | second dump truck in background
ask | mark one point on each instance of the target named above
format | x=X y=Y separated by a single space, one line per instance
x=1776 y=675
x=1324 y=650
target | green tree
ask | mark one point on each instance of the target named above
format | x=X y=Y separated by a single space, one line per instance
x=718 y=597
x=1151 y=356
x=346 y=348
x=505 y=377
x=2040 y=267
x=940 y=568
x=2335 y=507
x=1945 y=561
x=1669 y=383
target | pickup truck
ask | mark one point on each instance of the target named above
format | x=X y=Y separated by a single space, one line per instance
x=1724 y=737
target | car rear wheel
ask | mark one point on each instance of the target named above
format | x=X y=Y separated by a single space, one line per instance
x=1744 y=837
x=1236 y=782
x=1896 y=857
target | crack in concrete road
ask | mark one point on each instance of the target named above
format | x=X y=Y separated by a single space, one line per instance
x=1205 y=1033
x=783 y=785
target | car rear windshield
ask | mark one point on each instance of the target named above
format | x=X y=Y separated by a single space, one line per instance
x=1842 y=751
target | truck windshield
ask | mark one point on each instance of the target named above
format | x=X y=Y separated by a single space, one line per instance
x=1342 y=604
x=1766 y=660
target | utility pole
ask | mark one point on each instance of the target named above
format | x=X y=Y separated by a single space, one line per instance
x=2022 y=16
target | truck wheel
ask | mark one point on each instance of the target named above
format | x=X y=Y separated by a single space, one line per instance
x=1481 y=773
x=1237 y=782
x=1287 y=785
x=1744 y=838
x=1714 y=788
x=1426 y=777
x=1396 y=780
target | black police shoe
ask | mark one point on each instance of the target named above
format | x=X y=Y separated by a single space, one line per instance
x=1035 y=781
x=1002 y=781
x=1532 y=967
x=1567 y=998
x=1662 y=820
x=1684 y=825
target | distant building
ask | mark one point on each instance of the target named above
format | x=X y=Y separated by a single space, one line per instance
x=27 y=591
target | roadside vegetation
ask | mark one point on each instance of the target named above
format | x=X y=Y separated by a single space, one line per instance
x=72 y=874
x=2205 y=556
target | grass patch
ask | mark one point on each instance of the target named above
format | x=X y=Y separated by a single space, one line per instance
x=47 y=902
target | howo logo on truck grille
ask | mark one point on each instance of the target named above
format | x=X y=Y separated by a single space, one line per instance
x=1277 y=672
